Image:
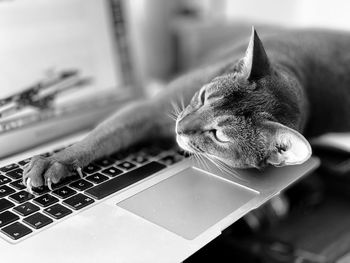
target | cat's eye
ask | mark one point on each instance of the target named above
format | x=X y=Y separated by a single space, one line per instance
x=219 y=136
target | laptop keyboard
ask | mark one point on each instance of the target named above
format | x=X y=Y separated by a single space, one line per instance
x=23 y=214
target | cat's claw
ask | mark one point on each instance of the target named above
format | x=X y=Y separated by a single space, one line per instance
x=79 y=171
x=29 y=186
x=49 y=184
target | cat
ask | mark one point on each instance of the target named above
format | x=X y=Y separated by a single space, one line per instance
x=246 y=110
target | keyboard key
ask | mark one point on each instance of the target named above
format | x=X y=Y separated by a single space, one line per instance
x=153 y=151
x=16 y=230
x=15 y=174
x=81 y=185
x=112 y=171
x=4 y=179
x=37 y=220
x=5 y=190
x=119 y=156
x=97 y=178
x=183 y=153
x=26 y=208
x=104 y=162
x=9 y=167
x=21 y=197
x=102 y=190
x=64 y=192
x=40 y=190
x=7 y=217
x=25 y=161
x=18 y=184
x=170 y=159
x=126 y=165
x=45 y=200
x=5 y=204
x=78 y=201
x=140 y=159
x=73 y=177
x=57 y=211
x=91 y=168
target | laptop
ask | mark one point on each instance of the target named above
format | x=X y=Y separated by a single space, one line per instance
x=63 y=68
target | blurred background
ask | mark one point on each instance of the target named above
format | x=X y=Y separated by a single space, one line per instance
x=169 y=35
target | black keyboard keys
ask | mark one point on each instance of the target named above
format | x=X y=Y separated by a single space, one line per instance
x=140 y=159
x=21 y=197
x=15 y=174
x=170 y=159
x=18 y=184
x=26 y=208
x=71 y=178
x=183 y=153
x=81 y=185
x=5 y=204
x=113 y=185
x=37 y=220
x=40 y=190
x=78 y=201
x=97 y=178
x=45 y=200
x=126 y=165
x=4 y=179
x=104 y=162
x=5 y=190
x=16 y=230
x=112 y=171
x=9 y=167
x=153 y=150
x=7 y=217
x=25 y=161
x=91 y=168
x=57 y=211
x=118 y=156
x=64 y=192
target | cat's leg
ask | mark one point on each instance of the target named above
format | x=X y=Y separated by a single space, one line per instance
x=129 y=125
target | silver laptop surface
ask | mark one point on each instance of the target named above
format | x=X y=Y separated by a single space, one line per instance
x=59 y=75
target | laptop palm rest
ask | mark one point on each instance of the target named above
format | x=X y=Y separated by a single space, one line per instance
x=189 y=202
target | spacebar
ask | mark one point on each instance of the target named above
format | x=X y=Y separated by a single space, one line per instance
x=111 y=186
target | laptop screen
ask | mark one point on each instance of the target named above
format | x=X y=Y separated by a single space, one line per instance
x=56 y=57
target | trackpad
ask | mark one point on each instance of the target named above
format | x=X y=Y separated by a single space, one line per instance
x=189 y=202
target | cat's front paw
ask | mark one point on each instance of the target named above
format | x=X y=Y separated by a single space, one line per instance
x=48 y=170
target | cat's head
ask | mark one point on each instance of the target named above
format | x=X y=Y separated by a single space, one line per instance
x=248 y=116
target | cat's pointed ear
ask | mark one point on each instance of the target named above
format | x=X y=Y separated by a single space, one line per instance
x=287 y=146
x=256 y=62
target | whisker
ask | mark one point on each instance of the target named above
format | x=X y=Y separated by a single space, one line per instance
x=182 y=102
x=176 y=107
x=205 y=161
x=198 y=159
x=175 y=111
x=172 y=115
x=224 y=167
